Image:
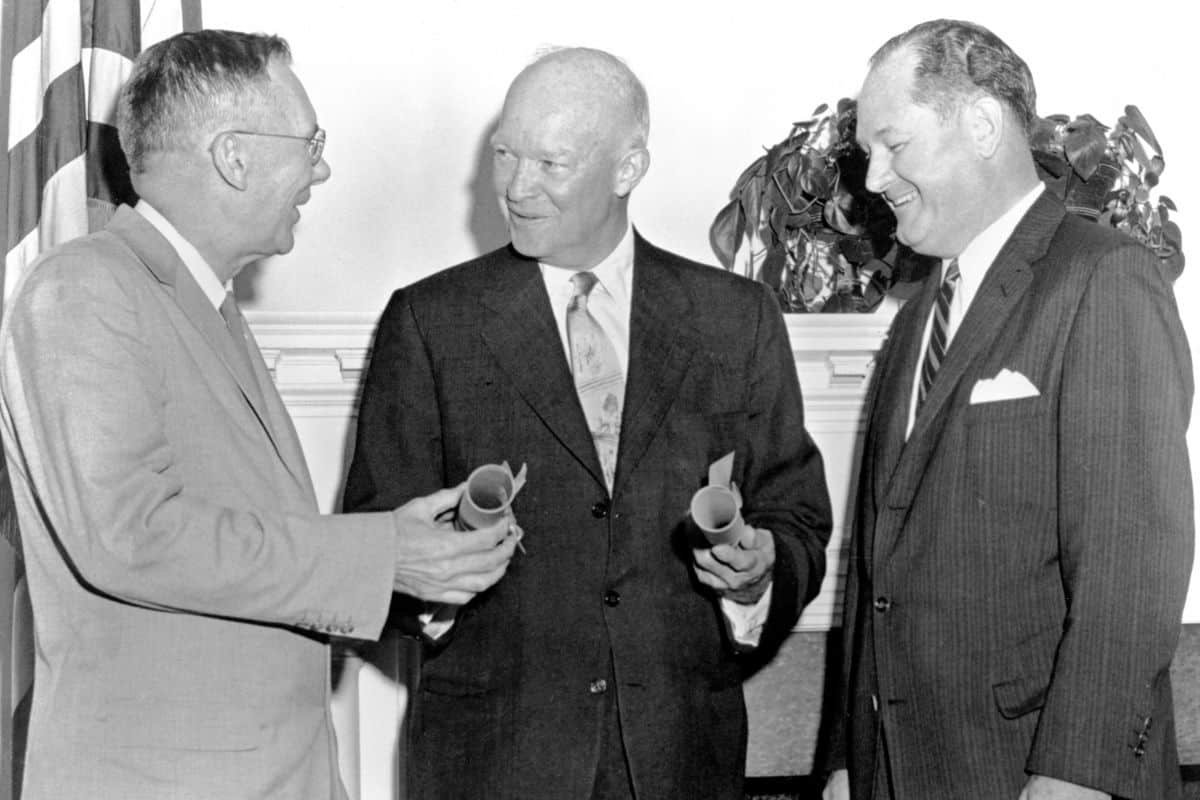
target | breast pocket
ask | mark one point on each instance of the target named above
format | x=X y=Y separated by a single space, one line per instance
x=1011 y=455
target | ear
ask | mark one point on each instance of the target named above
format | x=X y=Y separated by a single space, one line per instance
x=986 y=120
x=231 y=160
x=630 y=170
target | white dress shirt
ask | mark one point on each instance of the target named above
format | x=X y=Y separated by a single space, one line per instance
x=973 y=264
x=188 y=254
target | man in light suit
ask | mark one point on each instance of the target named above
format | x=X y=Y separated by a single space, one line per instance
x=606 y=664
x=1023 y=536
x=184 y=584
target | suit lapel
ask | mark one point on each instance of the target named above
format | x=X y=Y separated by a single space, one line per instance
x=896 y=384
x=660 y=350
x=160 y=258
x=523 y=338
x=1002 y=288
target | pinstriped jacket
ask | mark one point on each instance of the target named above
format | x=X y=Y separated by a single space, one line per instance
x=1018 y=568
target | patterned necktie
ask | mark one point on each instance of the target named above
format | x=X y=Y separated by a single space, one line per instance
x=598 y=378
x=939 y=336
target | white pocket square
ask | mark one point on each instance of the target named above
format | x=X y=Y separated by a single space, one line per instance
x=1007 y=385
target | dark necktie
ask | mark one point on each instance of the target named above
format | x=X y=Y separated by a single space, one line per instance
x=939 y=335
x=598 y=378
x=235 y=323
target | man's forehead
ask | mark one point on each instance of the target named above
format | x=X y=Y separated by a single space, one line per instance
x=291 y=97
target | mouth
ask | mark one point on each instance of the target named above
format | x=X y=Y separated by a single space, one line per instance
x=902 y=200
x=523 y=217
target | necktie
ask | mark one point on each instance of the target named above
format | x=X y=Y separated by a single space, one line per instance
x=939 y=336
x=597 y=371
x=235 y=323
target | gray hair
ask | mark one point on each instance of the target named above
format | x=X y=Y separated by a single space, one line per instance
x=186 y=85
x=956 y=60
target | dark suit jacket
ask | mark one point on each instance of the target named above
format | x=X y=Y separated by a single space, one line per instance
x=468 y=368
x=1018 y=568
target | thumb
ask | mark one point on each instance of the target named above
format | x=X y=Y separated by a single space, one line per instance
x=444 y=500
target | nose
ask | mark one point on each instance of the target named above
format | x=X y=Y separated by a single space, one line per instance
x=322 y=171
x=521 y=180
x=878 y=174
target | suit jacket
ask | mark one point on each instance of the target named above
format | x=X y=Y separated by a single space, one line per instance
x=183 y=582
x=1018 y=568
x=468 y=368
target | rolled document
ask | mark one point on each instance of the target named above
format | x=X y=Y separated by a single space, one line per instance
x=716 y=511
x=489 y=495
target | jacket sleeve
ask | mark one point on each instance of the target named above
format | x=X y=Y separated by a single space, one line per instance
x=784 y=488
x=393 y=460
x=1125 y=525
x=89 y=399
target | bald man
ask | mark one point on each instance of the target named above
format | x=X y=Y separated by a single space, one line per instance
x=608 y=663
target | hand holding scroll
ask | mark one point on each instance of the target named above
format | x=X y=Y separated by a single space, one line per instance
x=436 y=562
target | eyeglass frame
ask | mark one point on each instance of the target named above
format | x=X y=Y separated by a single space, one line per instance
x=316 y=142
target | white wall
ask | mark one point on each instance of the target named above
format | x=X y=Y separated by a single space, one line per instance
x=408 y=93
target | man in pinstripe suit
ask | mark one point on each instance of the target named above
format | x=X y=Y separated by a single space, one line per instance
x=1023 y=535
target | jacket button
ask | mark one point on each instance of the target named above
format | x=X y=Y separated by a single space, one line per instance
x=612 y=599
x=600 y=509
x=598 y=686
x=882 y=604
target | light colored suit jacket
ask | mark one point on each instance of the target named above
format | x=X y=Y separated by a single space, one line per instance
x=468 y=368
x=183 y=582
x=1019 y=566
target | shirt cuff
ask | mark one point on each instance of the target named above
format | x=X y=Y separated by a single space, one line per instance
x=437 y=619
x=746 y=622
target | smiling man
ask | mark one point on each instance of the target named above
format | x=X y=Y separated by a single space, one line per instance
x=1023 y=532
x=184 y=585
x=607 y=663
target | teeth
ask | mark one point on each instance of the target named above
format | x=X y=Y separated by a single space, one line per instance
x=902 y=199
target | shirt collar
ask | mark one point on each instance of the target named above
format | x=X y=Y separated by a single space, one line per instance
x=974 y=261
x=614 y=274
x=188 y=254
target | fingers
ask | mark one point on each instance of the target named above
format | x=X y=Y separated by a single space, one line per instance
x=729 y=569
x=443 y=500
x=457 y=577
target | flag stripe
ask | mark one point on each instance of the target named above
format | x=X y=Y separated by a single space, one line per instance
x=39 y=63
x=26 y=21
x=104 y=72
x=63 y=188
x=56 y=141
x=113 y=25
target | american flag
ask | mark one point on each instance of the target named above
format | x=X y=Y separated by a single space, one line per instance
x=62 y=63
x=65 y=61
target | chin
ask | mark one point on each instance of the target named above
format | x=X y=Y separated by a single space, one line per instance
x=526 y=245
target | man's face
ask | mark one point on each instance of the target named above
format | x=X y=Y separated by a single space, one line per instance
x=925 y=167
x=285 y=180
x=555 y=161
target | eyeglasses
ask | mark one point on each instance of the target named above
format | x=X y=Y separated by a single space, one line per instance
x=316 y=142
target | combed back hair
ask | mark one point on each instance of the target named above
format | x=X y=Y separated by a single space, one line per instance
x=612 y=74
x=956 y=60
x=186 y=86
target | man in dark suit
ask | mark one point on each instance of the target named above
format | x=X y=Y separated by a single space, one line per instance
x=1023 y=536
x=607 y=663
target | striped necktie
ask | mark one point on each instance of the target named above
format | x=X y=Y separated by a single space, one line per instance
x=939 y=336
x=598 y=378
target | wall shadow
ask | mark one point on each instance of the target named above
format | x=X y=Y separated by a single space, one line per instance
x=485 y=222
